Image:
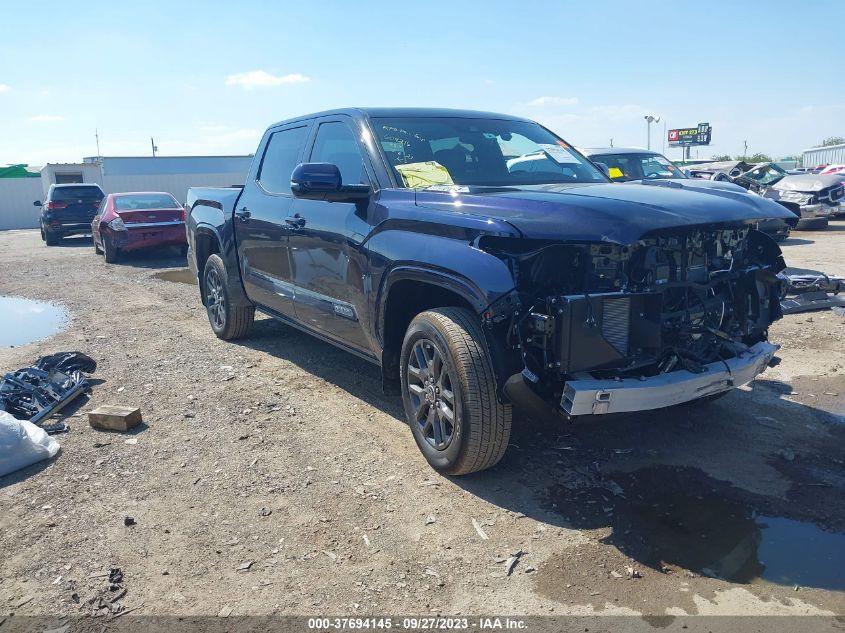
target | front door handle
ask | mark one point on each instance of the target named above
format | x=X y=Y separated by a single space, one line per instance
x=297 y=221
x=243 y=214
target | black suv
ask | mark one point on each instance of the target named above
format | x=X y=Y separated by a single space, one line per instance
x=68 y=210
x=481 y=261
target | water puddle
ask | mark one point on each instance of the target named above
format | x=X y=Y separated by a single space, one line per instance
x=676 y=519
x=24 y=321
x=181 y=276
x=716 y=537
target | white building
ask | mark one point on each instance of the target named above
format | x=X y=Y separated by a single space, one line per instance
x=115 y=174
x=830 y=155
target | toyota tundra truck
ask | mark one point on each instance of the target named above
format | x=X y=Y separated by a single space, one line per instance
x=482 y=263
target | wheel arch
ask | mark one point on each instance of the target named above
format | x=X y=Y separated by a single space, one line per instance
x=408 y=291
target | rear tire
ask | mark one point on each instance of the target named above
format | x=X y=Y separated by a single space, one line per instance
x=466 y=431
x=111 y=251
x=229 y=311
x=51 y=238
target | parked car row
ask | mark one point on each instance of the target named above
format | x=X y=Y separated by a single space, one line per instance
x=118 y=222
x=817 y=196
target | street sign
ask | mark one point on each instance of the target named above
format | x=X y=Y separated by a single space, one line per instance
x=689 y=136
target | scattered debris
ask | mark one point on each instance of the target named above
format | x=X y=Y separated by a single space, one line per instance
x=480 y=530
x=265 y=512
x=35 y=393
x=23 y=601
x=512 y=561
x=430 y=519
x=131 y=440
x=112 y=417
x=225 y=612
x=633 y=573
x=246 y=566
x=808 y=290
x=331 y=555
x=128 y=521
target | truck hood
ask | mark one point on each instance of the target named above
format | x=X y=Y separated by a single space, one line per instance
x=693 y=184
x=603 y=212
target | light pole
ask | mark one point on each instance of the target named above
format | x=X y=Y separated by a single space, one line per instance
x=649 y=119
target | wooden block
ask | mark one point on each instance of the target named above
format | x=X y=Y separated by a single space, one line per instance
x=112 y=417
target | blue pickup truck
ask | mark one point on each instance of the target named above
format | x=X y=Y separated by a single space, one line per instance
x=483 y=263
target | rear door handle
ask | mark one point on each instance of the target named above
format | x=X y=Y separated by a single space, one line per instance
x=243 y=215
x=297 y=221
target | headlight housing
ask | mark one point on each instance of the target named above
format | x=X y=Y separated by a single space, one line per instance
x=117 y=224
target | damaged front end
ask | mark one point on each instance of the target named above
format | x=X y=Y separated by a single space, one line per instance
x=678 y=315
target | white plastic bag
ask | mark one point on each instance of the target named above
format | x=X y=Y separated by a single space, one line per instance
x=22 y=443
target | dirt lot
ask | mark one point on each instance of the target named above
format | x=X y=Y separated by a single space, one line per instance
x=272 y=477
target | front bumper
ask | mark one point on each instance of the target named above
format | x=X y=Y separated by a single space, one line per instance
x=818 y=210
x=593 y=397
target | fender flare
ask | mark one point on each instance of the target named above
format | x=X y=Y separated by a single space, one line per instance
x=461 y=286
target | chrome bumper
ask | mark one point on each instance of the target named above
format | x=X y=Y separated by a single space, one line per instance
x=595 y=397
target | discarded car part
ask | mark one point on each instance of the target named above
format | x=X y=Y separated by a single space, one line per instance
x=111 y=417
x=22 y=444
x=35 y=393
x=809 y=290
x=589 y=396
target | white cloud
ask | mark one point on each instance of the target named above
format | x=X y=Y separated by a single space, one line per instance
x=552 y=101
x=46 y=118
x=5 y=87
x=263 y=79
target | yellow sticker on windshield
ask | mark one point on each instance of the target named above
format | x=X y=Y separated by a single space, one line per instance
x=421 y=175
x=614 y=173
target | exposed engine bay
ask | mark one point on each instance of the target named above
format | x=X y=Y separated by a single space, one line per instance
x=679 y=300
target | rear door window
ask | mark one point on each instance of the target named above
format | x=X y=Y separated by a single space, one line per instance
x=280 y=159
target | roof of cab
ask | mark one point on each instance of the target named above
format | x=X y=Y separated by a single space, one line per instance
x=405 y=113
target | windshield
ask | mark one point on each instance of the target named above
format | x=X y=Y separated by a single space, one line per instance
x=767 y=174
x=145 y=201
x=628 y=166
x=445 y=151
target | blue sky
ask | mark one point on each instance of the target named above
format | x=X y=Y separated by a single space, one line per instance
x=208 y=77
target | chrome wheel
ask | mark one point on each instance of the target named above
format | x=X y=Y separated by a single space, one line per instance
x=431 y=393
x=215 y=299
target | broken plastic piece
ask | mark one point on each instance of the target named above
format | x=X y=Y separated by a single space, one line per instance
x=35 y=393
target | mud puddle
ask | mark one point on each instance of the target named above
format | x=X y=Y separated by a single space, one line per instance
x=182 y=276
x=24 y=321
x=678 y=520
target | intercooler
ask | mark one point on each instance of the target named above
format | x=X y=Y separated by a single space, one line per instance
x=600 y=331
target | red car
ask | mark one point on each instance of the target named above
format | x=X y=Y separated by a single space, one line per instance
x=134 y=221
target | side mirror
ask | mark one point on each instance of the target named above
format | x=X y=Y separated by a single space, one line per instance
x=321 y=181
x=37 y=203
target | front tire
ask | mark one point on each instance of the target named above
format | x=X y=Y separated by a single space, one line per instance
x=229 y=312
x=449 y=392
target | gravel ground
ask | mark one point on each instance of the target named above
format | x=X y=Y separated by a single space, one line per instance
x=272 y=477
